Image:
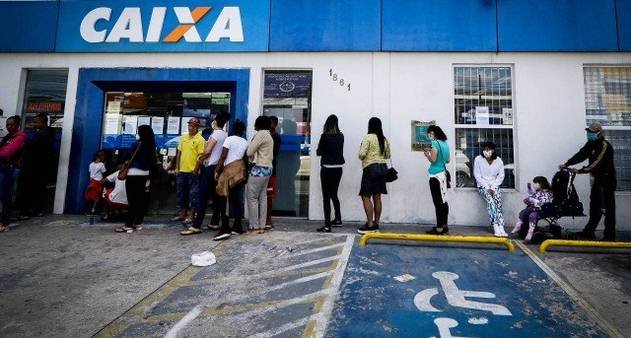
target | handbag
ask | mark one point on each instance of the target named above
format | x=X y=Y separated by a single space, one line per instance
x=447 y=173
x=391 y=174
x=122 y=174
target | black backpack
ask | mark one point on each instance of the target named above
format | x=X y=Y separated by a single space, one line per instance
x=565 y=196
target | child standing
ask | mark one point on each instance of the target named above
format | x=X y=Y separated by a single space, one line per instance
x=536 y=198
x=95 y=188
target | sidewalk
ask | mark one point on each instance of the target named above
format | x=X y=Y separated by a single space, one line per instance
x=62 y=277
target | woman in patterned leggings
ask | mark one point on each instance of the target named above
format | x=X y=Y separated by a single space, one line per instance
x=488 y=170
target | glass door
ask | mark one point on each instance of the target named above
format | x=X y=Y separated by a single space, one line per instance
x=287 y=95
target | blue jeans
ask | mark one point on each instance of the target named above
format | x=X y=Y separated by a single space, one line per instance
x=207 y=192
x=7 y=179
x=187 y=190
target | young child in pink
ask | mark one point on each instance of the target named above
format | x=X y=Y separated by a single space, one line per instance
x=536 y=198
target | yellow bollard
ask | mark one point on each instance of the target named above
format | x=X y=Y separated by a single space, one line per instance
x=587 y=244
x=438 y=238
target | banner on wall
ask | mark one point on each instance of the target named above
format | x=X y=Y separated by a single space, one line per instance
x=162 y=26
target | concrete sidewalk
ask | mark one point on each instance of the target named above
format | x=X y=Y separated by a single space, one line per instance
x=61 y=277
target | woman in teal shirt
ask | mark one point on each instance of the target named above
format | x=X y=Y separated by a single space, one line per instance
x=438 y=157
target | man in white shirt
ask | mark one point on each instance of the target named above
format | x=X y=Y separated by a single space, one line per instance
x=209 y=159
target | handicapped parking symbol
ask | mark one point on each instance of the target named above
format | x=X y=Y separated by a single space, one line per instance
x=457 y=298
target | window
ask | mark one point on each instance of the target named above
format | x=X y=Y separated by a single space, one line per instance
x=483 y=112
x=608 y=101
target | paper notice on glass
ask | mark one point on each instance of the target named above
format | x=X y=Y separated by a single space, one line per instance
x=173 y=125
x=172 y=152
x=114 y=107
x=112 y=124
x=184 y=129
x=157 y=124
x=130 y=125
x=144 y=121
x=507 y=115
x=482 y=116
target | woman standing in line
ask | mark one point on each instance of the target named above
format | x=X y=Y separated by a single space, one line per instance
x=141 y=157
x=488 y=170
x=331 y=149
x=260 y=154
x=374 y=153
x=438 y=157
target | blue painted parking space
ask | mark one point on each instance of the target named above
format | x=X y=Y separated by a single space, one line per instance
x=428 y=291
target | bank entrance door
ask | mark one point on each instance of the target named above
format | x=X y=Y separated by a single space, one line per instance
x=167 y=112
x=287 y=95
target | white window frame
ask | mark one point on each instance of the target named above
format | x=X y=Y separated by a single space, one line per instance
x=605 y=127
x=513 y=126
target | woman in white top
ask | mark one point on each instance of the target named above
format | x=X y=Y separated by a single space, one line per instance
x=488 y=170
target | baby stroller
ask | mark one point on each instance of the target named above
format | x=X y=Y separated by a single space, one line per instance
x=566 y=204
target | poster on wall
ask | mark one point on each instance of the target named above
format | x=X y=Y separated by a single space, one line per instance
x=420 y=141
x=507 y=116
x=112 y=124
x=144 y=120
x=114 y=107
x=173 y=125
x=482 y=116
x=184 y=127
x=287 y=84
x=130 y=125
x=157 y=124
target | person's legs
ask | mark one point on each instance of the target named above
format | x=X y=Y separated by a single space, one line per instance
x=325 y=182
x=263 y=202
x=499 y=213
x=6 y=194
x=182 y=187
x=378 y=207
x=523 y=217
x=437 y=199
x=143 y=199
x=236 y=205
x=206 y=187
x=595 y=208
x=533 y=218
x=368 y=209
x=194 y=180
x=253 y=192
x=135 y=193
x=489 y=203
x=609 y=198
x=271 y=194
x=336 y=177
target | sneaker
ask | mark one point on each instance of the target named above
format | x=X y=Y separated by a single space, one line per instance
x=434 y=231
x=324 y=229
x=336 y=223
x=365 y=229
x=222 y=236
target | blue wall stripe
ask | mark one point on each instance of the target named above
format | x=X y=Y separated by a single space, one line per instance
x=28 y=26
x=624 y=24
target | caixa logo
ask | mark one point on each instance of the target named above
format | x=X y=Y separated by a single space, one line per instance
x=130 y=26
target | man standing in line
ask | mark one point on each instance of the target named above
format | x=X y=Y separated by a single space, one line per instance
x=11 y=146
x=190 y=147
x=272 y=188
x=600 y=154
x=209 y=160
x=37 y=164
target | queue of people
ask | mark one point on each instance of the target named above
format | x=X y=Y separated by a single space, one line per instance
x=232 y=172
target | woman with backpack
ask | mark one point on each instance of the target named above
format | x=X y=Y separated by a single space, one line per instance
x=374 y=152
x=438 y=156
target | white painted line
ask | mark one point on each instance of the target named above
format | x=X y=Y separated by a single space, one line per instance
x=298 y=281
x=287 y=302
x=285 y=328
x=591 y=312
x=310 y=251
x=190 y=316
x=298 y=266
x=329 y=301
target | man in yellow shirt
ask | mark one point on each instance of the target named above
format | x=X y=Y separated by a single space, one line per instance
x=189 y=148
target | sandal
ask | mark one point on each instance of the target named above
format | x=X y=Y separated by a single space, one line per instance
x=191 y=231
x=124 y=229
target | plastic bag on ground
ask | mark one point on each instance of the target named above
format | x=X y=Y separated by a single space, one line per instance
x=205 y=258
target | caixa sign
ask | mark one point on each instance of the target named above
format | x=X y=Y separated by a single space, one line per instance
x=142 y=26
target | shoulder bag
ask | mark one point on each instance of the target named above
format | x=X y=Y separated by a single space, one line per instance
x=122 y=174
x=447 y=173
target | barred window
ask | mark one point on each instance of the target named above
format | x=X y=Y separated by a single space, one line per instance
x=608 y=101
x=483 y=113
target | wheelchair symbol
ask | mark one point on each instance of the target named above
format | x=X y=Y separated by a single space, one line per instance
x=457 y=298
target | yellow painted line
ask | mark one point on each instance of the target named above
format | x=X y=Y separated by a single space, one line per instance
x=573 y=293
x=582 y=244
x=439 y=238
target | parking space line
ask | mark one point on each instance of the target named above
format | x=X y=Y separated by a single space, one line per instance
x=299 y=266
x=314 y=250
x=172 y=333
x=591 y=312
x=285 y=328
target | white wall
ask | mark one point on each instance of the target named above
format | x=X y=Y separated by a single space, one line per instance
x=397 y=87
